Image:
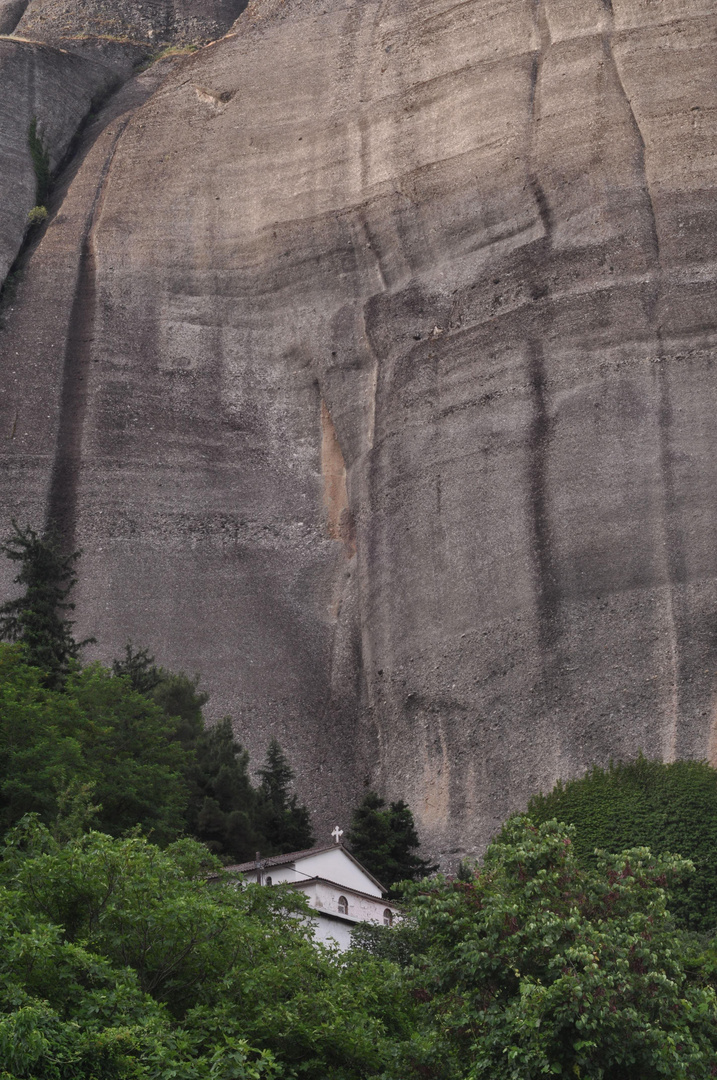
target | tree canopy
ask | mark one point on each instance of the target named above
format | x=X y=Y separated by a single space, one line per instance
x=385 y=840
x=541 y=966
x=39 y=617
x=122 y=960
x=666 y=807
x=279 y=814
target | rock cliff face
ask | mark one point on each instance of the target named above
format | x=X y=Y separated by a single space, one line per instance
x=369 y=355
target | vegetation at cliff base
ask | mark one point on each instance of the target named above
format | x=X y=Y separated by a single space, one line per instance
x=384 y=839
x=39 y=617
x=128 y=952
x=123 y=961
x=124 y=747
x=542 y=966
x=665 y=807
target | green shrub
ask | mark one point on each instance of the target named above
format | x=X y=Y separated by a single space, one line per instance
x=37 y=215
x=668 y=808
x=540 y=966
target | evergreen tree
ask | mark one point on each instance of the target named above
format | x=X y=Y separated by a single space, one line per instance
x=222 y=807
x=283 y=824
x=139 y=667
x=38 y=618
x=386 y=842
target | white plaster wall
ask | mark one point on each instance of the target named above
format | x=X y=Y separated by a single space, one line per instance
x=330 y=932
x=360 y=908
x=336 y=866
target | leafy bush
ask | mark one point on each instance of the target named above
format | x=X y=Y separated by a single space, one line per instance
x=668 y=808
x=37 y=215
x=542 y=966
x=124 y=961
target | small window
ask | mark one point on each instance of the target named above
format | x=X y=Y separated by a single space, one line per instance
x=343 y=906
x=268 y=881
x=388 y=917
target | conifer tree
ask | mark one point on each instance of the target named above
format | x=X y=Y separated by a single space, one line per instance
x=222 y=808
x=139 y=667
x=385 y=840
x=38 y=619
x=282 y=822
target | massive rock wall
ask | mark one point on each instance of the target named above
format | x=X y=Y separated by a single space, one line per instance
x=377 y=383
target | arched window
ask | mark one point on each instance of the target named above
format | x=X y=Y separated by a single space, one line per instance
x=343 y=906
x=268 y=881
x=388 y=917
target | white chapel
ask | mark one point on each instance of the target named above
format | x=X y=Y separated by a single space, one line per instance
x=340 y=891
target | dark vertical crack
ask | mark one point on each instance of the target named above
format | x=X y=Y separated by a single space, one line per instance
x=537 y=189
x=546 y=215
x=546 y=588
x=653 y=244
x=62 y=504
x=65 y=480
x=539 y=431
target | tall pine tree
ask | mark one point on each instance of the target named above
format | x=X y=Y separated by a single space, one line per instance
x=38 y=619
x=385 y=840
x=283 y=824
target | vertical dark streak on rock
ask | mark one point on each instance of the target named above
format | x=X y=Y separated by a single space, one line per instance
x=676 y=556
x=62 y=506
x=675 y=562
x=672 y=538
x=538 y=436
x=544 y=210
x=538 y=451
x=534 y=72
x=64 y=483
x=654 y=240
x=535 y=185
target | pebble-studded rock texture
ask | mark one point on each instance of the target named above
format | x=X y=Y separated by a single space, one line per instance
x=379 y=386
x=157 y=21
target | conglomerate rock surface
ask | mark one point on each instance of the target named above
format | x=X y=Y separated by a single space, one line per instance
x=370 y=358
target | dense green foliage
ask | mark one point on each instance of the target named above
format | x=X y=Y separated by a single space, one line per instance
x=136 y=759
x=385 y=840
x=279 y=815
x=123 y=961
x=222 y=809
x=668 y=808
x=38 y=617
x=97 y=734
x=120 y=960
x=540 y=965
